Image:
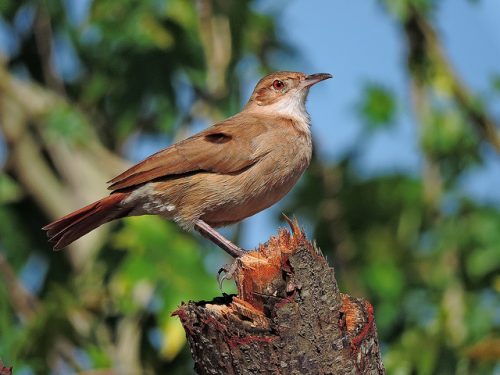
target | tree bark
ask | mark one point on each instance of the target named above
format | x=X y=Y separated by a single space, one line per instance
x=287 y=318
x=5 y=370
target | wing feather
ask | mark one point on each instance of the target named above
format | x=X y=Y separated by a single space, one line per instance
x=224 y=148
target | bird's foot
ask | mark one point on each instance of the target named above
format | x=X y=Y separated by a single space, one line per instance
x=227 y=272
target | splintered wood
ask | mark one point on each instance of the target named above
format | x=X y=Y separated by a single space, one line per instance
x=288 y=317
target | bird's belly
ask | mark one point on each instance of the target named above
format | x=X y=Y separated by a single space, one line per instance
x=235 y=211
x=247 y=194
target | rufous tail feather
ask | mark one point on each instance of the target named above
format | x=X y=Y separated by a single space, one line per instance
x=71 y=227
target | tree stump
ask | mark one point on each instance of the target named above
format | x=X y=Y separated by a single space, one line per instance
x=5 y=370
x=288 y=318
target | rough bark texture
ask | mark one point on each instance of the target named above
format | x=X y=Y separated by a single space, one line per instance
x=5 y=370
x=288 y=318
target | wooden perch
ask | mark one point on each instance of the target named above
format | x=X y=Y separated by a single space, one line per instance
x=288 y=318
x=5 y=370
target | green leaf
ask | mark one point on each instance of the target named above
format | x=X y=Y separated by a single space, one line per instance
x=67 y=123
x=385 y=279
x=495 y=82
x=483 y=261
x=10 y=191
x=377 y=107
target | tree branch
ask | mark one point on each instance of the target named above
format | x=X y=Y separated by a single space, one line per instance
x=75 y=181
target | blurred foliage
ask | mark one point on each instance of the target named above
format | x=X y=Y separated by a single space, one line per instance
x=377 y=107
x=424 y=253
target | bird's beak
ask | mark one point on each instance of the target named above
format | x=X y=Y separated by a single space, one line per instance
x=312 y=79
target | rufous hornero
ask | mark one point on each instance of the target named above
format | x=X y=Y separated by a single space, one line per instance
x=220 y=176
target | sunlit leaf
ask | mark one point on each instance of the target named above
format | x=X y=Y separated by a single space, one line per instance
x=174 y=338
x=64 y=122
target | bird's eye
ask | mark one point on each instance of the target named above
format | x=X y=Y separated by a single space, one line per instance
x=278 y=85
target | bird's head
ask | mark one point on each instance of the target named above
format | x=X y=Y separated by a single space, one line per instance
x=284 y=93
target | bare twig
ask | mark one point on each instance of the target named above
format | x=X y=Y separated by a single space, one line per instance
x=23 y=302
x=44 y=39
x=216 y=41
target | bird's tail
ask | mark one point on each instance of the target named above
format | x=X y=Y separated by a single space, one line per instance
x=71 y=227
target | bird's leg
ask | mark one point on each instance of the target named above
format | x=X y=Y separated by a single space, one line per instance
x=210 y=233
x=226 y=272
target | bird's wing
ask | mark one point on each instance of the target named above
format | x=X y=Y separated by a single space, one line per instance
x=224 y=148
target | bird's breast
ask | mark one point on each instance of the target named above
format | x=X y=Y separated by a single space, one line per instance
x=269 y=180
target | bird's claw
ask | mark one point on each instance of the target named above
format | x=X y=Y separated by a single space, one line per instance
x=227 y=272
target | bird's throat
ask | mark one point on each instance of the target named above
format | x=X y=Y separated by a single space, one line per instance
x=291 y=107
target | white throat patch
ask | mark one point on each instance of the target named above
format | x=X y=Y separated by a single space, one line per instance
x=292 y=106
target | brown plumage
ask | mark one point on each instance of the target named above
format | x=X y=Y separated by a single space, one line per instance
x=219 y=176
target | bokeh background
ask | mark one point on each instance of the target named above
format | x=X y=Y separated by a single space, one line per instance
x=403 y=194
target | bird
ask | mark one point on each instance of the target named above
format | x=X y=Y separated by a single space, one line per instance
x=217 y=177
